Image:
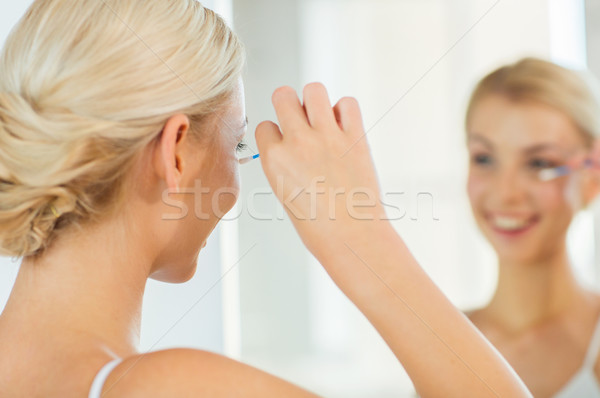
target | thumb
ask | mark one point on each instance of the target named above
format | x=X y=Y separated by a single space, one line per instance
x=267 y=133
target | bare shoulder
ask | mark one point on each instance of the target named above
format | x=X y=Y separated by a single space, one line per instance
x=189 y=372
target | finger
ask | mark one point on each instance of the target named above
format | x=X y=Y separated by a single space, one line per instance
x=290 y=112
x=318 y=106
x=267 y=134
x=348 y=116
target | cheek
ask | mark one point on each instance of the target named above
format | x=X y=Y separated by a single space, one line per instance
x=231 y=175
x=555 y=208
x=554 y=196
x=476 y=188
x=228 y=194
x=228 y=190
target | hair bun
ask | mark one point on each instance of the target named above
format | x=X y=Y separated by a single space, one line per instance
x=26 y=216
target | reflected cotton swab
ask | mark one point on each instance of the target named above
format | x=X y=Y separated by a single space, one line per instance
x=551 y=174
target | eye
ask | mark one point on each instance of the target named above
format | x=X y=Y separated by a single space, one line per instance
x=541 y=164
x=482 y=159
x=241 y=146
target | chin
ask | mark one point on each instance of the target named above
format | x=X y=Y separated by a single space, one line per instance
x=517 y=258
x=177 y=273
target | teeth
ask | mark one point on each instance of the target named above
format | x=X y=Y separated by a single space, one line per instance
x=510 y=223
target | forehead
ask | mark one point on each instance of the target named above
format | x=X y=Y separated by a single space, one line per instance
x=518 y=125
x=233 y=115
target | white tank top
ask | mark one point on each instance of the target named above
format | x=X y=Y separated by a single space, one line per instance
x=584 y=383
x=100 y=379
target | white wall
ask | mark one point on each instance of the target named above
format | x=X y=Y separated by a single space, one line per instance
x=593 y=34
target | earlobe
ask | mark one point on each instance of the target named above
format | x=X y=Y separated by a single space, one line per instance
x=168 y=159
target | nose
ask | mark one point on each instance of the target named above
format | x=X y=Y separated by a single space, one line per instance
x=510 y=186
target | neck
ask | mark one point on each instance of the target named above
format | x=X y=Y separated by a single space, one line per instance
x=84 y=287
x=530 y=292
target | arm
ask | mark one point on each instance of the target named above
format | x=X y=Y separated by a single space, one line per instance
x=319 y=166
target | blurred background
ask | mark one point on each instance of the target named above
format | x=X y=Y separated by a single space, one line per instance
x=258 y=295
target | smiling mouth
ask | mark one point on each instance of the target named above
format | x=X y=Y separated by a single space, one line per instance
x=509 y=225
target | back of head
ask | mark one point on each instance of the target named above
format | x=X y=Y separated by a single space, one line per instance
x=531 y=79
x=84 y=86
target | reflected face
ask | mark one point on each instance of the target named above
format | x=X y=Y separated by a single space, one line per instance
x=509 y=143
x=211 y=187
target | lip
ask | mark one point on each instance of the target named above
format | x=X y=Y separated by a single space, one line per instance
x=534 y=220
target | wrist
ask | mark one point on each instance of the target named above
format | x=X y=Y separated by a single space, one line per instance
x=366 y=237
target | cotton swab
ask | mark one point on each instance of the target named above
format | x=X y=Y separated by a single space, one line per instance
x=249 y=158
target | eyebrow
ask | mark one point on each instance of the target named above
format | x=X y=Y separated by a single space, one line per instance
x=529 y=150
x=245 y=123
x=542 y=147
x=477 y=137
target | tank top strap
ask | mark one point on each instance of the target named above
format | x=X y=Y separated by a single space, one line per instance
x=592 y=353
x=101 y=376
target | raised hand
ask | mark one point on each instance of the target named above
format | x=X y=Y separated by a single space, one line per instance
x=319 y=165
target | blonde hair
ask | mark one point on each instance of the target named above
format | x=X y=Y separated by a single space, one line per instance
x=84 y=86
x=531 y=79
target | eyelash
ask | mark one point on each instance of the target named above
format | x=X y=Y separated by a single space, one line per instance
x=535 y=163
x=241 y=146
x=542 y=164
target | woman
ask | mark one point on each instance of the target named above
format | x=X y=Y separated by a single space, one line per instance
x=109 y=109
x=522 y=119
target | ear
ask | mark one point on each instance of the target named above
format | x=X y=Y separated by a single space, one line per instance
x=168 y=156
